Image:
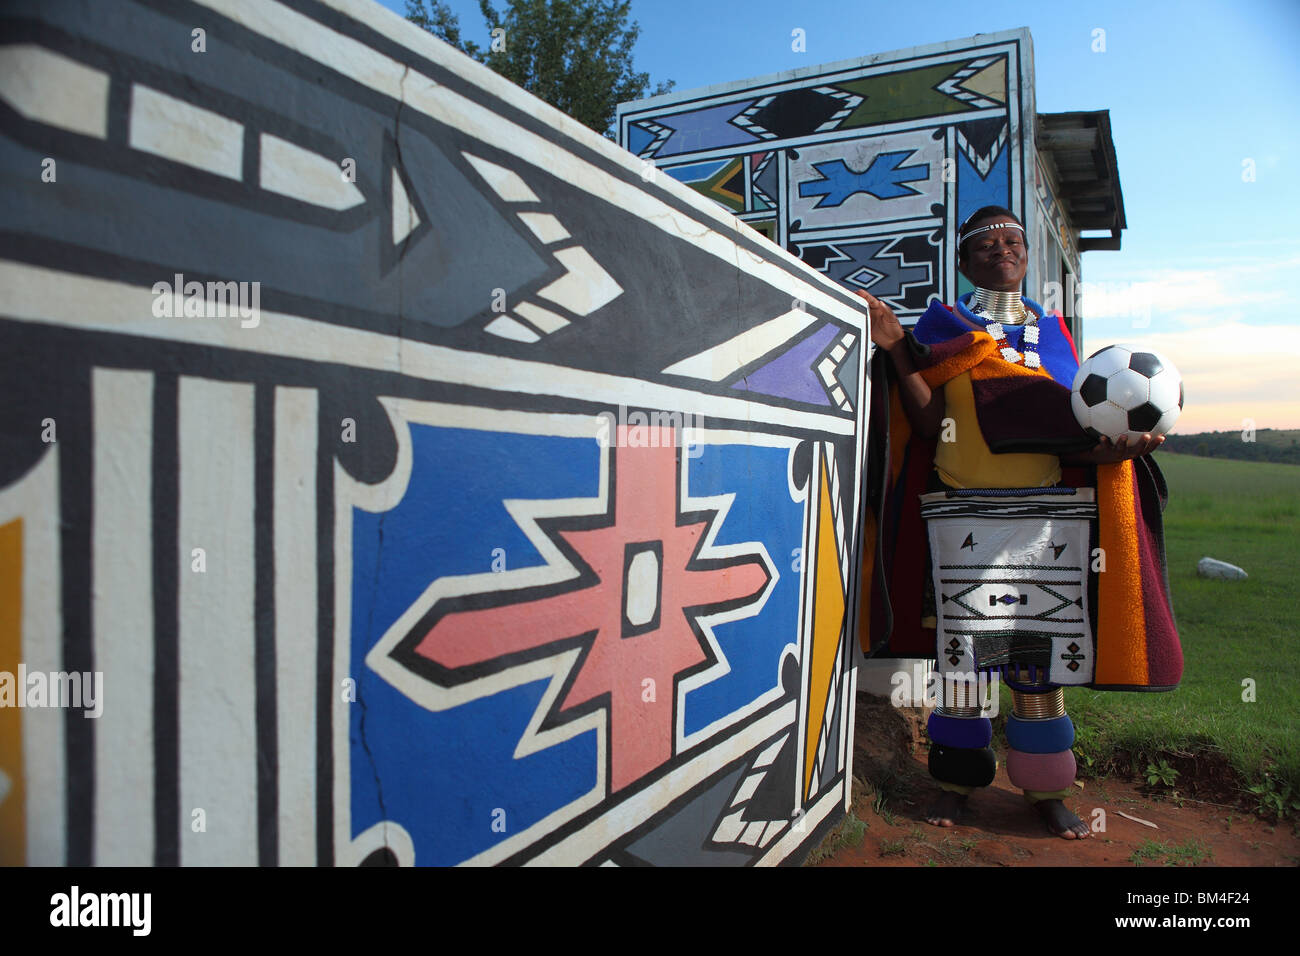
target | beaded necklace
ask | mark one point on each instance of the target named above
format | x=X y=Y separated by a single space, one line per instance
x=988 y=306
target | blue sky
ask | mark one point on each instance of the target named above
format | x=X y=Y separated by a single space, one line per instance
x=1210 y=263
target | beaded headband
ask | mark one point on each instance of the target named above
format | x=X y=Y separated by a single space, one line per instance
x=996 y=225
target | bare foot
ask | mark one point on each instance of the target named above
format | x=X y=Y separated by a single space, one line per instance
x=947 y=809
x=1060 y=821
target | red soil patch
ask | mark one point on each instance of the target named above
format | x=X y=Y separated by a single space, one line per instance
x=1002 y=829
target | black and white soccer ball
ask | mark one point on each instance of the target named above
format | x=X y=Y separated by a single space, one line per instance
x=1127 y=390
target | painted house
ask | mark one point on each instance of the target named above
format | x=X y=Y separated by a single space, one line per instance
x=394 y=471
x=408 y=478
x=865 y=168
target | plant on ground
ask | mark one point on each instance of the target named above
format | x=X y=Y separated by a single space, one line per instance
x=1188 y=853
x=1274 y=799
x=849 y=832
x=1159 y=772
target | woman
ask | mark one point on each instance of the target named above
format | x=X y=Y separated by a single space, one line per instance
x=990 y=379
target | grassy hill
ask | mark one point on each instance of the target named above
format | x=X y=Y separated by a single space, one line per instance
x=1247 y=513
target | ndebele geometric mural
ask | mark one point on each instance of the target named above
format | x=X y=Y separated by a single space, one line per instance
x=402 y=474
x=863 y=168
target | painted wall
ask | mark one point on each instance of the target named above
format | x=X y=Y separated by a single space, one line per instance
x=1055 y=255
x=501 y=511
x=864 y=168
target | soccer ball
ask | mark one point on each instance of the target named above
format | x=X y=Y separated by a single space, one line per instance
x=1127 y=390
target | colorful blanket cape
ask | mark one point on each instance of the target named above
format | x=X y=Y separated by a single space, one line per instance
x=1018 y=410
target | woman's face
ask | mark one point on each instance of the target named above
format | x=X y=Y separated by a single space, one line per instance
x=997 y=259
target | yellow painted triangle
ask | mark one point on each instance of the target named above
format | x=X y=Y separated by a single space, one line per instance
x=828 y=618
x=13 y=786
x=990 y=81
x=717 y=184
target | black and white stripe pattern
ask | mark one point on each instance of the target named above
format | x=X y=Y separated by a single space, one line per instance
x=1008 y=508
x=1011 y=576
x=733 y=828
x=205 y=575
x=825 y=746
x=848 y=103
x=828 y=366
x=983 y=162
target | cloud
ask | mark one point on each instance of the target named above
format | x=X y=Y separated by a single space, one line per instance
x=1217 y=311
x=1252 y=289
x=1237 y=416
x=1191 y=297
x=1234 y=372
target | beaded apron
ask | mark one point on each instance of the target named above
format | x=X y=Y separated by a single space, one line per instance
x=1010 y=573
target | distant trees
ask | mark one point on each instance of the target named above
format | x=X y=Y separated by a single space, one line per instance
x=1270 y=444
x=574 y=54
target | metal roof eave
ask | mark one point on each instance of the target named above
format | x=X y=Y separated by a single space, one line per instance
x=1081 y=151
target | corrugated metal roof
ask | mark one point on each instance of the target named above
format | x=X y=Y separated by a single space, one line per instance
x=1081 y=152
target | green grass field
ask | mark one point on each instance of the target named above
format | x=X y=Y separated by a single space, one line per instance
x=1247 y=513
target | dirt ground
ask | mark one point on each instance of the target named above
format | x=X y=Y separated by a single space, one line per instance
x=892 y=787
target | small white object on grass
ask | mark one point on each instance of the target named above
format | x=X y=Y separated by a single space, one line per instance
x=1145 y=823
x=1211 y=568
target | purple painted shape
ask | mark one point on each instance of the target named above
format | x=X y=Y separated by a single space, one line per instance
x=792 y=375
x=704 y=129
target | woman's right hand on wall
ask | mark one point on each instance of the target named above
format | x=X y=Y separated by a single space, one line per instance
x=886 y=330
